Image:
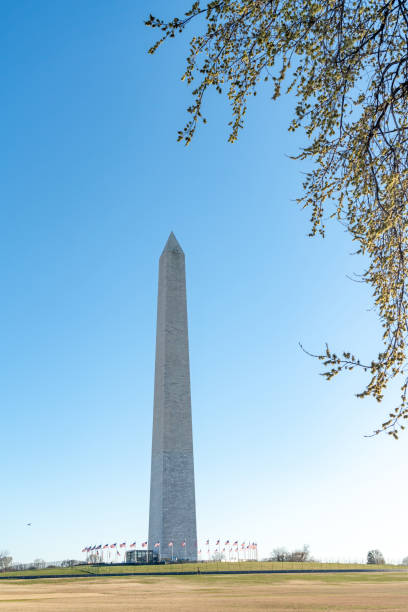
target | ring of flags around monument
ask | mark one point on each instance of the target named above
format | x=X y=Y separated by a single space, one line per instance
x=226 y=550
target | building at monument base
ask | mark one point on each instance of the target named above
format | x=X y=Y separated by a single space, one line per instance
x=172 y=516
x=142 y=557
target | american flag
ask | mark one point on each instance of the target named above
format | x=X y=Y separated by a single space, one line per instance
x=133 y=545
x=157 y=544
x=123 y=545
x=217 y=542
x=84 y=550
x=106 y=546
x=113 y=545
x=183 y=543
x=207 y=542
x=170 y=543
x=227 y=542
x=144 y=544
x=235 y=543
x=99 y=547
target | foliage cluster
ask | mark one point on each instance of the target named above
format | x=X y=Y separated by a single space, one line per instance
x=346 y=62
x=5 y=560
x=375 y=557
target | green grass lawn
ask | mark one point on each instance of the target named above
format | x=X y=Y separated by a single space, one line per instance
x=92 y=570
x=219 y=581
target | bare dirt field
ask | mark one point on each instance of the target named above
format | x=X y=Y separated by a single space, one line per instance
x=204 y=593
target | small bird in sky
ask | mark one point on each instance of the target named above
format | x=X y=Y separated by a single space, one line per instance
x=28 y=524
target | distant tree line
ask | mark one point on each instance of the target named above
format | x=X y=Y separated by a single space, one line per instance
x=374 y=557
x=298 y=556
x=6 y=563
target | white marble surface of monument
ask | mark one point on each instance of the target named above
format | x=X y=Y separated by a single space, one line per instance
x=172 y=516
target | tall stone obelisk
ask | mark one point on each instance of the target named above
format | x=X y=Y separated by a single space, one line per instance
x=172 y=517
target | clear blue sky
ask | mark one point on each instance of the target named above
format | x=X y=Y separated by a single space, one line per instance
x=92 y=182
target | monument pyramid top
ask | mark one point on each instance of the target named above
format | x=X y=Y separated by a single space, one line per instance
x=172 y=245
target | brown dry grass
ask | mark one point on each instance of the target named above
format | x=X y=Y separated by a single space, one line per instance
x=201 y=594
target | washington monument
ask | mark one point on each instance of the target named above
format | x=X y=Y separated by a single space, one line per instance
x=172 y=517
